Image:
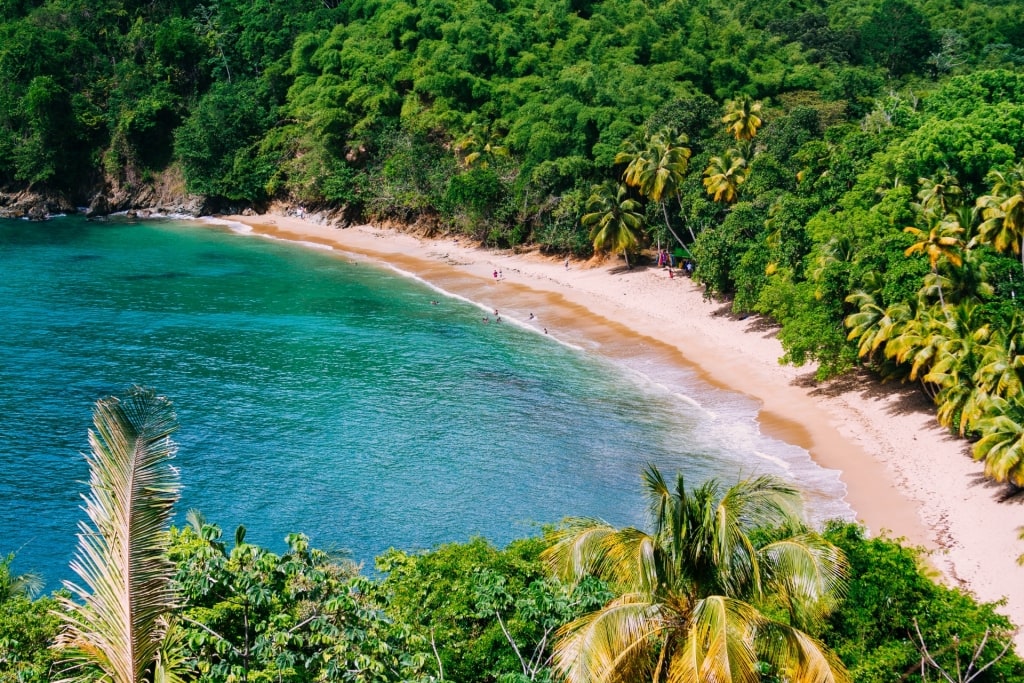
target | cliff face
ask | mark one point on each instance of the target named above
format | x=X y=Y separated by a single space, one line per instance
x=163 y=193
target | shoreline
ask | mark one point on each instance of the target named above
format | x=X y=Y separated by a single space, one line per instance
x=905 y=476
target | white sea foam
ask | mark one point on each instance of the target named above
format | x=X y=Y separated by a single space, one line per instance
x=234 y=226
x=532 y=326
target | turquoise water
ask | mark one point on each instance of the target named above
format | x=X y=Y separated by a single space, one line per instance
x=329 y=396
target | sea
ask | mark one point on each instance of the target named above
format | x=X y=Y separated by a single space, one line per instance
x=324 y=393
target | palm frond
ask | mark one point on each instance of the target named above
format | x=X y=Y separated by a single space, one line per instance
x=121 y=560
x=797 y=656
x=808 y=574
x=585 y=546
x=719 y=644
x=610 y=644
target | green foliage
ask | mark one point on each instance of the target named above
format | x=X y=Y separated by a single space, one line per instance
x=719 y=251
x=489 y=613
x=898 y=36
x=27 y=631
x=253 y=615
x=218 y=144
x=873 y=629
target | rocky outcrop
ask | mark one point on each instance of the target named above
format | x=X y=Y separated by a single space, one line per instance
x=34 y=205
x=164 y=194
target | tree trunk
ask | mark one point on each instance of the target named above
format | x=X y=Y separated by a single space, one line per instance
x=664 y=209
x=685 y=222
x=942 y=300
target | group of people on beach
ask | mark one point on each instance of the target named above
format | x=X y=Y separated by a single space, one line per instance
x=672 y=261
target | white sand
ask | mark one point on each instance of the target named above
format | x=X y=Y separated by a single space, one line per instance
x=904 y=475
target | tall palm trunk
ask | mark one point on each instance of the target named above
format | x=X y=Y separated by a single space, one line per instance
x=685 y=222
x=664 y=209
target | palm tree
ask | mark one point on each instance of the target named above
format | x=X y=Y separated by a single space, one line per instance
x=480 y=144
x=866 y=322
x=119 y=620
x=741 y=117
x=941 y=241
x=1003 y=211
x=724 y=175
x=1002 y=361
x=939 y=196
x=17 y=585
x=918 y=342
x=658 y=169
x=1001 y=446
x=961 y=350
x=872 y=325
x=690 y=590
x=614 y=219
x=968 y=282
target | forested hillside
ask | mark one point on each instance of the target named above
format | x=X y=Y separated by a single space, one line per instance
x=851 y=169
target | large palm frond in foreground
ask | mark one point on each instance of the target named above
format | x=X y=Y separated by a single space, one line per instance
x=691 y=591
x=115 y=621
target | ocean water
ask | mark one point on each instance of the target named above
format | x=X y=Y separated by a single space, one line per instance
x=327 y=395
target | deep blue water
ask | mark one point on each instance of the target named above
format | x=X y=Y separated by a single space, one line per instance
x=327 y=396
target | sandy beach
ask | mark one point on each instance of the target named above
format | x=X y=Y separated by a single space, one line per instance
x=905 y=476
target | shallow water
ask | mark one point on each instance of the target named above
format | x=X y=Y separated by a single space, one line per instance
x=330 y=396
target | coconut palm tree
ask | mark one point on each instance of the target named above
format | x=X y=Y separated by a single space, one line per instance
x=968 y=282
x=17 y=585
x=918 y=342
x=480 y=146
x=1001 y=446
x=742 y=117
x=691 y=588
x=866 y=322
x=658 y=169
x=116 y=622
x=1003 y=212
x=1002 y=363
x=872 y=325
x=939 y=196
x=964 y=338
x=724 y=175
x=940 y=242
x=614 y=219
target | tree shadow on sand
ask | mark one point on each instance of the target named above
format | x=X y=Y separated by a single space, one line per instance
x=1001 y=493
x=622 y=268
x=754 y=323
x=907 y=398
x=904 y=398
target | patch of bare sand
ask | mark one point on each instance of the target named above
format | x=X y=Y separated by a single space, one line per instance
x=905 y=475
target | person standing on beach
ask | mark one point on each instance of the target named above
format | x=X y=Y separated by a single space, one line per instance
x=495 y=275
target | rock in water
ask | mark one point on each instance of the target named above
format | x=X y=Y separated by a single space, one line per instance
x=99 y=206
